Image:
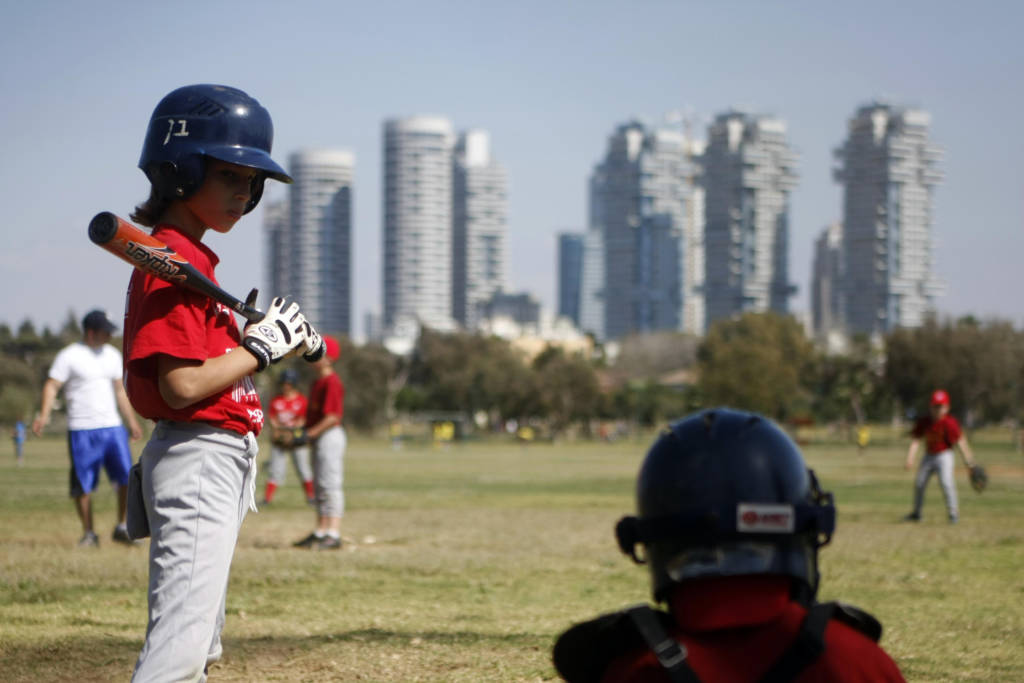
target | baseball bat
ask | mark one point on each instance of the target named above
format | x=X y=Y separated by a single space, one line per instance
x=150 y=255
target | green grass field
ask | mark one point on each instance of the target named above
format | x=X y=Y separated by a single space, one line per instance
x=463 y=564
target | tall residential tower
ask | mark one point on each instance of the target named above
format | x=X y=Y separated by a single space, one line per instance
x=749 y=171
x=827 y=284
x=479 y=219
x=309 y=238
x=889 y=170
x=640 y=195
x=417 y=222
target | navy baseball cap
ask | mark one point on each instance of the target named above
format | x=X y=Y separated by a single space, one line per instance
x=98 y=320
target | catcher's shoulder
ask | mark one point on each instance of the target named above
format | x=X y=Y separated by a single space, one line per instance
x=858 y=619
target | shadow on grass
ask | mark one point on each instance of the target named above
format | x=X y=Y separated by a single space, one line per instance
x=110 y=658
x=388 y=636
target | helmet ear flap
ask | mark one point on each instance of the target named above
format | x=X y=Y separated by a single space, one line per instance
x=177 y=180
x=627 y=533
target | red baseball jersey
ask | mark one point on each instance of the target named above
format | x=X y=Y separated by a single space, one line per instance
x=288 y=412
x=326 y=397
x=735 y=628
x=939 y=435
x=164 y=319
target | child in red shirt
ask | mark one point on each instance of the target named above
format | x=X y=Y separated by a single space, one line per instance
x=189 y=369
x=287 y=412
x=940 y=433
x=324 y=431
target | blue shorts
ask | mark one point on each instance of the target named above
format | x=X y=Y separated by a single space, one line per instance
x=90 y=448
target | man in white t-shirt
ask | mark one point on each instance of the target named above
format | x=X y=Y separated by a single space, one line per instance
x=90 y=373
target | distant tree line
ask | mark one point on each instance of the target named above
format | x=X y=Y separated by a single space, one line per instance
x=760 y=362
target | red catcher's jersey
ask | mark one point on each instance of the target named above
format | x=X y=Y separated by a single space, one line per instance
x=161 y=318
x=288 y=412
x=326 y=397
x=735 y=628
x=939 y=435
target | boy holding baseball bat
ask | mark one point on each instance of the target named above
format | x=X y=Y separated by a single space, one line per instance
x=187 y=367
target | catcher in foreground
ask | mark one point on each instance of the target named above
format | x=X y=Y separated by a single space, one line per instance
x=729 y=521
x=941 y=434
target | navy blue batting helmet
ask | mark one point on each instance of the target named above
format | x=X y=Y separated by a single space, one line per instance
x=727 y=493
x=199 y=121
x=290 y=376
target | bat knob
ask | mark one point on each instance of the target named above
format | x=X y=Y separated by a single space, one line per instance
x=103 y=227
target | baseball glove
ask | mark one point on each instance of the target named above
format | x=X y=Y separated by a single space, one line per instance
x=291 y=437
x=979 y=478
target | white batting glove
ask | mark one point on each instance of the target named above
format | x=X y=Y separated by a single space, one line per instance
x=315 y=347
x=279 y=332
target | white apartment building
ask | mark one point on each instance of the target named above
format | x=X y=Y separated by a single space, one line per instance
x=417 y=222
x=309 y=238
x=479 y=224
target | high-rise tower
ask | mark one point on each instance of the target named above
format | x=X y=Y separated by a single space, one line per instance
x=639 y=199
x=570 y=271
x=889 y=170
x=417 y=222
x=309 y=238
x=479 y=219
x=826 y=283
x=749 y=171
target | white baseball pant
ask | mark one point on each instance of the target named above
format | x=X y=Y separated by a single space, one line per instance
x=328 y=472
x=278 y=467
x=197 y=482
x=944 y=464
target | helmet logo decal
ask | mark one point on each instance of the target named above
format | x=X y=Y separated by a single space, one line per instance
x=760 y=518
x=181 y=132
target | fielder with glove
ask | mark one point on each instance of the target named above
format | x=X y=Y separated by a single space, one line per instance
x=941 y=434
x=288 y=413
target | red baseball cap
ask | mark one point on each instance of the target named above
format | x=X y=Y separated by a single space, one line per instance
x=333 y=349
x=940 y=398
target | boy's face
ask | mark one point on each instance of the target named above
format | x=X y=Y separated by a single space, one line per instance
x=222 y=198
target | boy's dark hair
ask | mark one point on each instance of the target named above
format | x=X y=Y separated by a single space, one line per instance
x=148 y=212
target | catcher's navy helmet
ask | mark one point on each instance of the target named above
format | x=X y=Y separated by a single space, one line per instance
x=727 y=493
x=199 y=121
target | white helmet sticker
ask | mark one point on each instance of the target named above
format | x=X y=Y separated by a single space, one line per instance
x=765 y=518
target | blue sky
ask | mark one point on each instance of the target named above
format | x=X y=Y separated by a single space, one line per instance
x=549 y=80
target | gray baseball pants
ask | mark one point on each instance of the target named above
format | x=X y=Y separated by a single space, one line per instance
x=944 y=464
x=328 y=472
x=278 y=466
x=197 y=483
